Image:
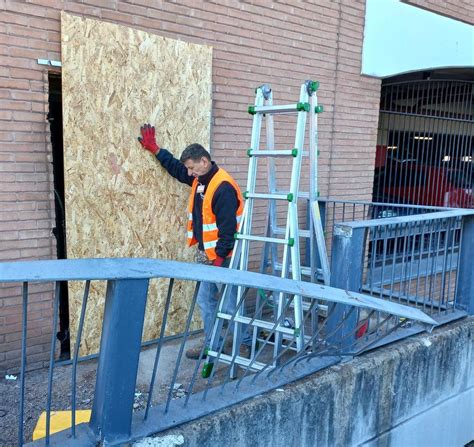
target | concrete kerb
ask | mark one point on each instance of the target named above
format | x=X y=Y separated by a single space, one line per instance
x=367 y=400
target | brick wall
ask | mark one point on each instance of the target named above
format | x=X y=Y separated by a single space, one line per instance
x=353 y=121
x=462 y=10
x=256 y=41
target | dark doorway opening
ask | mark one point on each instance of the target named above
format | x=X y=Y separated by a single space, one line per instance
x=55 y=118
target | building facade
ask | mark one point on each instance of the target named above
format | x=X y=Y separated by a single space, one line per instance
x=254 y=42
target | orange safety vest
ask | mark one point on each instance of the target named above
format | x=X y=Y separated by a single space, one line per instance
x=209 y=226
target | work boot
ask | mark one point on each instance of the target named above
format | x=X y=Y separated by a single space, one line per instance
x=228 y=346
x=244 y=350
x=194 y=353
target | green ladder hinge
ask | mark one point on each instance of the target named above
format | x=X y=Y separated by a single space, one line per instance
x=303 y=107
x=312 y=87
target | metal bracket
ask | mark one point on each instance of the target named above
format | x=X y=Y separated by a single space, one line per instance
x=49 y=62
x=266 y=90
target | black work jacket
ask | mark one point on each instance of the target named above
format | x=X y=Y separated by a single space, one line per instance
x=224 y=203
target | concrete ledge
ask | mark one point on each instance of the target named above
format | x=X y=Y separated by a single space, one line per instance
x=425 y=381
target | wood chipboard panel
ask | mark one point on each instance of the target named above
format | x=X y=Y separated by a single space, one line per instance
x=119 y=201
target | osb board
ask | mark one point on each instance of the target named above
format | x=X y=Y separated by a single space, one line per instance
x=119 y=201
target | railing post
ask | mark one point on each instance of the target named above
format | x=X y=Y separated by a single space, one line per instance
x=311 y=252
x=118 y=359
x=347 y=262
x=465 y=280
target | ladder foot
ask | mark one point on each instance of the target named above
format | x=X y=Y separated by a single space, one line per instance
x=206 y=370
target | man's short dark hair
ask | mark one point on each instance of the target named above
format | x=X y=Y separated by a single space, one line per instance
x=194 y=152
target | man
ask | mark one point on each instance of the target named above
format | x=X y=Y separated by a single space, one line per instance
x=215 y=207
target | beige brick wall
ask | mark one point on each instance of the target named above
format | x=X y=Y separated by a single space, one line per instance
x=255 y=41
x=462 y=10
x=355 y=109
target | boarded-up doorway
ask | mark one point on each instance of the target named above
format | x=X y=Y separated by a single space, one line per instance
x=119 y=201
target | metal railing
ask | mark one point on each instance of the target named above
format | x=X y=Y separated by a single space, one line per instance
x=113 y=418
x=334 y=211
x=395 y=269
x=421 y=260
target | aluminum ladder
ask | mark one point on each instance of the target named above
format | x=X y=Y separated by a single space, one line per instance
x=290 y=266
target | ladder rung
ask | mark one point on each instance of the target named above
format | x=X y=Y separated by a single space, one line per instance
x=276 y=154
x=322 y=308
x=255 y=195
x=258 y=323
x=274 y=240
x=305 y=270
x=301 y=233
x=307 y=338
x=288 y=108
x=257 y=366
x=280 y=153
x=301 y=194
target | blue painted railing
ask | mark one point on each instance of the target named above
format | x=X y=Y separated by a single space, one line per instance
x=377 y=267
x=113 y=420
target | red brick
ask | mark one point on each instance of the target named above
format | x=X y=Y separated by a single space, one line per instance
x=56 y=4
x=463 y=11
x=35 y=253
x=14 y=84
x=14 y=41
x=116 y=17
x=40 y=359
x=16 y=62
x=23 y=31
x=17 y=167
x=4 y=50
x=78 y=8
x=5 y=115
x=5 y=94
x=110 y=4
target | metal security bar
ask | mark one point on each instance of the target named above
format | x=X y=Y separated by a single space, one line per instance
x=425 y=144
x=422 y=261
x=113 y=420
x=335 y=211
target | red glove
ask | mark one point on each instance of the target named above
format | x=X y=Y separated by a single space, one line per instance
x=147 y=140
x=218 y=261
